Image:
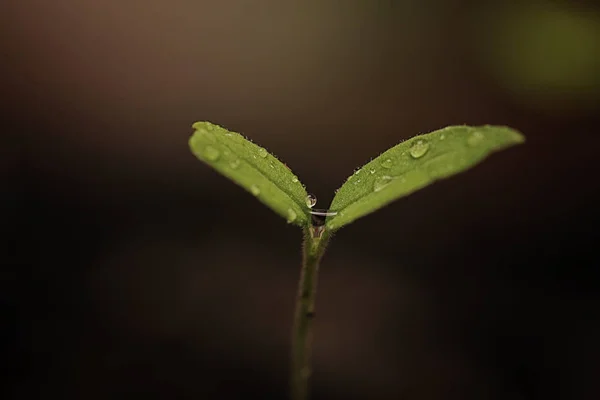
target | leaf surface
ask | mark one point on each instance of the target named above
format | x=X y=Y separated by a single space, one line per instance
x=253 y=168
x=414 y=164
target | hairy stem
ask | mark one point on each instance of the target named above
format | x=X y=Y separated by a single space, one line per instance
x=302 y=334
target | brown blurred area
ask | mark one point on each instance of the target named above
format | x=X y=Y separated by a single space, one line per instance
x=133 y=269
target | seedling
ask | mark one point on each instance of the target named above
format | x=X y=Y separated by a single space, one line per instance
x=401 y=170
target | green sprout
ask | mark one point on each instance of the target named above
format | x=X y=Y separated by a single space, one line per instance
x=399 y=171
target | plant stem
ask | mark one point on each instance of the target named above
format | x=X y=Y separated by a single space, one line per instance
x=302 y=334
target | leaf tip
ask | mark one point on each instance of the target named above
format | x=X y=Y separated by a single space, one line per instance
x=516 y=136
x=200 y=125
x=196 y=139
x=192 y=141
x=513 y=135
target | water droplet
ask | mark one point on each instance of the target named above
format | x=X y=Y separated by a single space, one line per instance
x=234 y=164
x=294 y=179
x=387 y=163
x=311 y=200
x=442 y=136
x=291 y=216
x=381 y=182
x=357 y=182
x=419 y=148
x=475 y=138
x=357 y=172
x=255 y=190
x=262 y=152
x=372 y=171
x=211 y=153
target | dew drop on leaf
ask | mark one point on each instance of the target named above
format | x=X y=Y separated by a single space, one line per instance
x=372 y=171
x=294 y=179
x=291 y=216
x=262 y=152
x=419 y=148
x=255 y=190
x=381 y=182
x=475 y=138
x=234 y=164
x=387 y=163
x=311 y=200
x=211 y=153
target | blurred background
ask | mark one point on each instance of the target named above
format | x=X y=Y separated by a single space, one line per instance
x=133 y=269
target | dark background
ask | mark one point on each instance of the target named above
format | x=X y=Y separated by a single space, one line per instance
x=133 y=269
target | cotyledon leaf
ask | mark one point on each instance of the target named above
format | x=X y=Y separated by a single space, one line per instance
x=253 y=168
x=414 y=164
